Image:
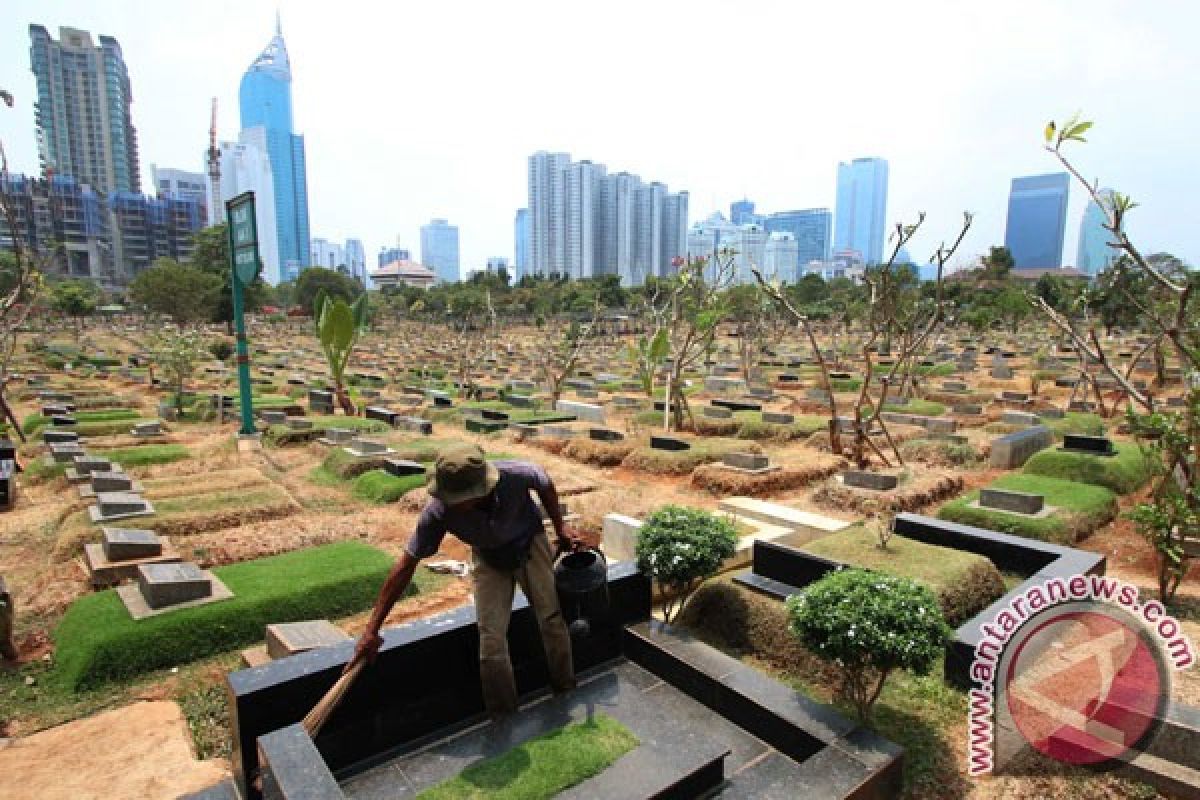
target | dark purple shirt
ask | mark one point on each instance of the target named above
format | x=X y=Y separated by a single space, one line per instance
x=512 y=516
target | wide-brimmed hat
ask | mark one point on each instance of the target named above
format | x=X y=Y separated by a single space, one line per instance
x=462 y=473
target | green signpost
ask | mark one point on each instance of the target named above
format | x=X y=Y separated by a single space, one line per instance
x=243 y=261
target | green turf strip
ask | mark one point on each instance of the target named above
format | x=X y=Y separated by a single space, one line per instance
x=542 y=767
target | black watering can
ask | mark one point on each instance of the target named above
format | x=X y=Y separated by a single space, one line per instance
x=581 y=577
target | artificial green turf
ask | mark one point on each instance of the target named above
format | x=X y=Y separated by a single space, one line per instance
x=97 y=641
x=1083 y=508
x=34 y=422
x=541 y=767
x=379 y=486
x=1123 y=473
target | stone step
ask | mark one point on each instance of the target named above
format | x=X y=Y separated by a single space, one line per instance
x=808 y=525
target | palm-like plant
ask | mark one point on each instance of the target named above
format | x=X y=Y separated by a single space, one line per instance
x=339 y=325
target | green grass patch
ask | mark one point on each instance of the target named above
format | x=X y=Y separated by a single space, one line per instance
x=97 y=641
x=35 y=422
x=541 y=767
x=965 y=583
x=147 y=455
x=1082 y=509
x=1123 y=473
x=379 y=486
x=751 y=426
x=846 y=384
x=915 y=405
x=114 y=427
x=681 y=462
x=1076 y=423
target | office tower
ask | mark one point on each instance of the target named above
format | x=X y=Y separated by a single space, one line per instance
x=860 y=220
x=1037 y=219
x=811 y=229
x=84 y=128
x=327 y=255
x=521 y=237
x=741 y=212
x=265 y=98
x=355 y=259
x=780 y=256
x=182 y=184
x=387 y=255
x=439 y=249
x=1094 y=254
x=246 y=167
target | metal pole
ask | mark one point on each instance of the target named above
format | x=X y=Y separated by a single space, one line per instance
x=243 y=352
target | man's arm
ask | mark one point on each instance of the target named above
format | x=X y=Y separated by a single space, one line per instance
x=548 y=494
x=393 y=589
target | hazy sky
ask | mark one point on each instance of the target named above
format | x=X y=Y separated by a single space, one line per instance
x=413 y=110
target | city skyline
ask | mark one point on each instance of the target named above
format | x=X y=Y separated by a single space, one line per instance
x=986 y=115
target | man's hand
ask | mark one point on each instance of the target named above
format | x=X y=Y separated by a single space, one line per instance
x=366 y=649
x=570 y=540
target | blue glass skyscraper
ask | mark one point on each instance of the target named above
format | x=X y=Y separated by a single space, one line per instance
x=859 y=221
x=265 y=98
x=1094 y=254
x=741 y=212
x=1037 y=219
x=811 y=229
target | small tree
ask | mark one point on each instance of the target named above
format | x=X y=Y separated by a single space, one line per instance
x=75 y=298
x=679 y=547
x=176 y=356
x=339 y=326
x=869 y=625
x=184 y=294
x=645 y=356
x=221 y=349
x=559 y=358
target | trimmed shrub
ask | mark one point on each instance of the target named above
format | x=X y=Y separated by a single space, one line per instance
x=679 y=547
x=379 y=486
x=97 y=641
x=869 y=625
x=1082 y=509
x=1126 y=472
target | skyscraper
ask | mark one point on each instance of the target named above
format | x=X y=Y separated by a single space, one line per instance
x=355 y=256
x=780 y=256
x=181 y=184
x=860 y=219
x=585 y=222
x=327 y=255
x=265 y=97
x=741 y=212
x=1094 y=254
x=246 y=167
x=439 y=249
x=1037 y=219
x=84 y=128
x=521 y=236
x=810 y=227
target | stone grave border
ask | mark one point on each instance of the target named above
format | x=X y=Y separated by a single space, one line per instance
x=386 y=716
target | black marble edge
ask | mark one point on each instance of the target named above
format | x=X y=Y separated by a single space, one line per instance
x=763 y=585
x=292 y=768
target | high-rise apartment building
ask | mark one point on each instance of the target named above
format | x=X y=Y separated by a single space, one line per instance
x=1037 y=219
x=265 y=99
x=741 y=212
x=145 y=229
x=439 y=249
x=61 y=211
x=810 y=228
x=1094 y=255
x=585 y=222
x=84 y=127
x=780 y=256
x=521 y=238
x=860 y=218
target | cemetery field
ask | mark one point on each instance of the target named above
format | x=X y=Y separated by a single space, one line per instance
x=302 y=523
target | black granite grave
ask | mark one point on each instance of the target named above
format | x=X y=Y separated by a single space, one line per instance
x=876 y=481
x=737 y=405
x=402 y=468
x=1089 y=445
x=605 y=435
x=668 y=443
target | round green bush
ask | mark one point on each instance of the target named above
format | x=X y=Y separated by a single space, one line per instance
x=869 y=624
x=679 y=547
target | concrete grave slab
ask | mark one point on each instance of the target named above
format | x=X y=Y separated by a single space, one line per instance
x=138 y=608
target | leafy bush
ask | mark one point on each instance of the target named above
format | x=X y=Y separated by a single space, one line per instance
x=1124 y=473
x=869 y=625
x=679 y=547
x=221 y=349
x=97 y=641
x=379 y=486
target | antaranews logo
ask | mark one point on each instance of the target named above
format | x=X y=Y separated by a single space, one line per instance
x=1077 y=668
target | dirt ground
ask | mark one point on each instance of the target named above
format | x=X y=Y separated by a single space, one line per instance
x=140 y=750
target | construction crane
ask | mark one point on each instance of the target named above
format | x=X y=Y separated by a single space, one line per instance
x=214 y=169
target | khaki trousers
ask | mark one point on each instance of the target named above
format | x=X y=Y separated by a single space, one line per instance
x=493 y=606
